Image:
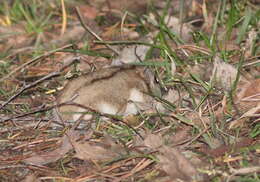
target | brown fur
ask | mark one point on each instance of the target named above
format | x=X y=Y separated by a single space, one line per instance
x=110 y=85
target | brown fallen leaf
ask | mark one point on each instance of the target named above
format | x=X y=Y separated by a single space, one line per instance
x=74 y=34
x=182 y=134
x=106 y=149
x=247 y=101
x=253 y=112
x=153 y=141
x=171 y=160
x=88 y=11
x=131 y=54
x=248 y=95
x=223 y=149
x=176 y=165
x=221 y=74
x=14 y=37
x=182 y=30
x=224 y=74
x=48 y=157
x=31 y=178
x=134 y=6
x=249 y=44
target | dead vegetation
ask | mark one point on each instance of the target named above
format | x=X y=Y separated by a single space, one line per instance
x=203 y=62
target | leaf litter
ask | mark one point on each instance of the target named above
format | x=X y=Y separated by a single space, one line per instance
x=195 y=114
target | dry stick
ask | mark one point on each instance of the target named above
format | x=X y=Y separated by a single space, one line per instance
x=190 y=141
x=33 y=112
x=125 y=42
x=53 y=74
x=34 y=60
x=88 y=29
x=64 y=18
x=122 y=25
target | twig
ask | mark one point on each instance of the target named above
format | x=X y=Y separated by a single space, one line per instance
x=33 y=112
x=191 y=140
x=126 y=42
x=64 y=18
x=53 y=74
x=12 y=166
x=88 y=29
x=252 y=63
x=122 y=25
x=34 y=60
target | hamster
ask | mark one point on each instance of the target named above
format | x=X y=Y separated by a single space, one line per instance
x=120 y=90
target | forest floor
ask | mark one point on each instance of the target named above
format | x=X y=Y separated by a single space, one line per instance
x=205 y=56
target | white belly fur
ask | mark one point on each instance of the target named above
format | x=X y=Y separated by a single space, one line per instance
x=135 y=97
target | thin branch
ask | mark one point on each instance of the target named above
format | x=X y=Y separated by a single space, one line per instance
x=34 y=60
x=64 y=18
x=88 y=29
x=53 y=74
x=33 y=112
x=126 y=42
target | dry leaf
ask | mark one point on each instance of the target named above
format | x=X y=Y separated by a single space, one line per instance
x=134 y=6
x=249 y=45
x=131 y=54
x=31 y=178
x=153 y=141
x=224 y=149
x=171 y=160
x=224 y=74
x=254 y=112
x=248 y=102
x=88 y=11
x=72 y=34
x=184 y=31
x=248 y=95
x=176 y=165
x=171 y=96
x=14 y=37
x=132 y=120
x=87 y=151
x=129 y=34
x=103 y=150
x=182 y=134
x=48 y=157
x=173 y=68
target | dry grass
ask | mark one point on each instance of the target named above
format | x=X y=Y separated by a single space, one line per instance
x=207 y=70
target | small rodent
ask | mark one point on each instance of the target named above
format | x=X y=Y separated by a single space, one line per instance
x=114 y=90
